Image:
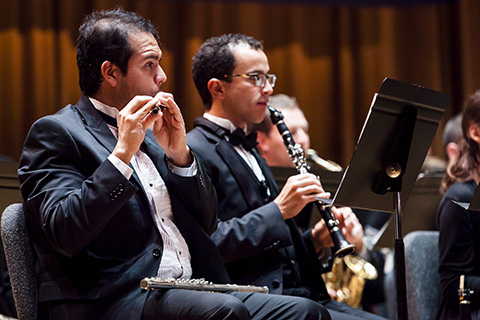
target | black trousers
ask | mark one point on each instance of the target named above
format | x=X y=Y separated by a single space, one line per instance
x=342 y=311
x=189 y=304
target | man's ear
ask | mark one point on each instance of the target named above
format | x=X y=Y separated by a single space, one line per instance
x=110 y=73
x=216 y=89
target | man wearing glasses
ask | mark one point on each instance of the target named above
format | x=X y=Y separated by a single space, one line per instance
x=259 y=242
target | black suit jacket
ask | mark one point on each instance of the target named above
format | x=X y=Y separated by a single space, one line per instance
x=93 y=230
x=459 y=250
x=257 y=245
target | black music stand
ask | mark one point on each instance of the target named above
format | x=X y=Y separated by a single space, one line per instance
x=475 y=202
x=394 y=142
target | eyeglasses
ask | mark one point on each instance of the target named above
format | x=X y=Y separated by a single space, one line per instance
x=259 y=78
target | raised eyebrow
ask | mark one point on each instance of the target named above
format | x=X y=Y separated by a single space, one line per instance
x=258 y=72
x=153 y=57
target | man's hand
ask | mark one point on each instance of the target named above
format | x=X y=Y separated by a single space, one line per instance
x=132 y=126
x=169 y=131
x=168 y=128
x=348 y=224
x=299 y=190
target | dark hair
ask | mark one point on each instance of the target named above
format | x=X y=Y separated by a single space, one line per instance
x=466 y=166
x=215 y=59
x=103 y=36
x=452 y=132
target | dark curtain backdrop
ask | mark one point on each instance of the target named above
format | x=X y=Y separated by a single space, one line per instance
x=332 y=58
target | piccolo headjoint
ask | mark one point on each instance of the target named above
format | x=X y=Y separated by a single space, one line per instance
x=156 y=108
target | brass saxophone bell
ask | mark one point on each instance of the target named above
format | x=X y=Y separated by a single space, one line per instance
x=326 y=164
x=347 y=279
x=361 y=267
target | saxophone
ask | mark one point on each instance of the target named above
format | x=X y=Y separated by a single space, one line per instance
x=323 y=163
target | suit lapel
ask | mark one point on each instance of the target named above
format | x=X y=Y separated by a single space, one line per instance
x=269 y=178
x=97 y=127
x=95 y=124
x=247 y=183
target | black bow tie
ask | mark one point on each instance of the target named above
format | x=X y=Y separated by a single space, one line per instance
x=238 y=137
x=108 y=119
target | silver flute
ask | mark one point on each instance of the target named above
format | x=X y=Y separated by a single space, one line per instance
x=153 y=283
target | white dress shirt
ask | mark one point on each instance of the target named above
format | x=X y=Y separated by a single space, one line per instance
x=247 y=156
x=176 y=259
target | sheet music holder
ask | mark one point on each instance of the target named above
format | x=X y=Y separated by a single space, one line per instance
x=393 y=144
x=378 y=133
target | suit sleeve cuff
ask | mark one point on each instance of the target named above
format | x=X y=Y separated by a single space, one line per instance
x=121 y=166
x=189 y=171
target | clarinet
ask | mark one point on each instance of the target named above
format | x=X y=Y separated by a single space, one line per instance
x=341 y=246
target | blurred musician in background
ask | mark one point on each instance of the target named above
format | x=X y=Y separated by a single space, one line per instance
x=271 y=145
x=451 y=137
x=459 y=242
x=272 y=148
x=258 y=240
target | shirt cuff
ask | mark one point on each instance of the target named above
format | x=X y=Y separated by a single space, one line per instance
x=364 y=253
x=325 y=253
x=326 y=256
x=121 y=166
x=183 y=171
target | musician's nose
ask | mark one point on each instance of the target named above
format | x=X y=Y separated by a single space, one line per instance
x=161 y=76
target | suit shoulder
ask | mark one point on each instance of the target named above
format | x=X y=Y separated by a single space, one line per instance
x=49 y=128
x=62 y=117
x=196 y=132
x=461 y=191
x=198 y=137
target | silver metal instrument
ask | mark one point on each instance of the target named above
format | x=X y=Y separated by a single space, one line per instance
x=153 y=283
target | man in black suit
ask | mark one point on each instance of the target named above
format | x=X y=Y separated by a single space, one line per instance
x=259 y=242
x=113 y=194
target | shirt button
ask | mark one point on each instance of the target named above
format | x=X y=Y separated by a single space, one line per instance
x=275 y=284
x=156 y=253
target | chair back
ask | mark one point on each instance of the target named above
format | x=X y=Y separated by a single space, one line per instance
x=421 y=270
x=20 y=260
